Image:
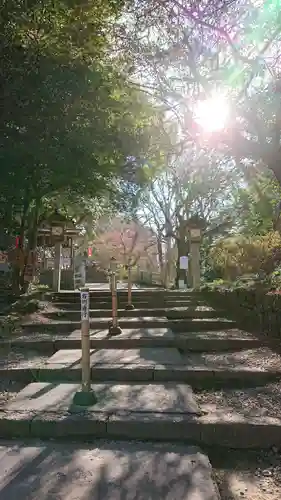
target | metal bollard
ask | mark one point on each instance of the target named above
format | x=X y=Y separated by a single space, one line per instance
x=85 y=397
x=130 y=306
x=114 y=328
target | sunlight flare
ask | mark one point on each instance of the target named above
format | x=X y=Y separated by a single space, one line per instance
x=212 y=114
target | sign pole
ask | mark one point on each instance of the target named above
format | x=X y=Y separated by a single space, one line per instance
x=114 y=328
x=85 y=340
x=130 y=306
x=85 y=397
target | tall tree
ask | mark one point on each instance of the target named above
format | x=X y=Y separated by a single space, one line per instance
x=127 y=241
x=70 y=122
x=193 y=186
x=183 y=53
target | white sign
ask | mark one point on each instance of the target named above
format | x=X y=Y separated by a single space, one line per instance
x=181 y=284
x=183 y=262
x=85 y=303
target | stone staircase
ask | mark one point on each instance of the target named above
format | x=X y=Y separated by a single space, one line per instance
x=170 y=376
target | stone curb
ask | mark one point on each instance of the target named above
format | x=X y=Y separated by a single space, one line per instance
x=197 y=378
x=258 y=433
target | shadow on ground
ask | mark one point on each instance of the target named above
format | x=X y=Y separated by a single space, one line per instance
x=111 y=471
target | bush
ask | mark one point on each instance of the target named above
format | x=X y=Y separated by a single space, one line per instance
x=242 y=255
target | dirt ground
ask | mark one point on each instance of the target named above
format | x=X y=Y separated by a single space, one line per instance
x=249 y=475
x=263 y=401
x=16 y=358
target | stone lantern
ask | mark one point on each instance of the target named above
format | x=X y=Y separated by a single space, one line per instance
x=57 y=231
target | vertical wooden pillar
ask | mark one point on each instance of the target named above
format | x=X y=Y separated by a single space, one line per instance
x=57 y=268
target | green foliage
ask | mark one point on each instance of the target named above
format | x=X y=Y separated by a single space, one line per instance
x=242 y=255
x=256 y=204
x=70 y=123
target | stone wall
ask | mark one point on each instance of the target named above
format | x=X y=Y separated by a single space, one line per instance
x=255 y=310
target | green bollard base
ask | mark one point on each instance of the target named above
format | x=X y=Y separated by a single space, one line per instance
x=84 y=398
x=114 y=330
x=130 y=307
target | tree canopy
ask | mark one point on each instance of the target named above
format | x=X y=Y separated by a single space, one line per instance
x=100 y=103
x=70 y=120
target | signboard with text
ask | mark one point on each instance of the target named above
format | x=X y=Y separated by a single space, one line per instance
x=85 y=303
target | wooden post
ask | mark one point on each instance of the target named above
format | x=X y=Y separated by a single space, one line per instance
x=114 y=328
x=85 y=339
x=129 y=306
x=85 y=397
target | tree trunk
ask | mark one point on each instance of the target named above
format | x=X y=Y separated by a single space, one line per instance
x=32 y=244
x=17 y=264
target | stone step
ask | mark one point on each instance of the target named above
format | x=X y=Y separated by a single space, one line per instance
x=211 y=341
x=102 y=305
x=189 y=302
x=98 y=323
x=146 y=412
x=105 y=295
x=150 y=364
x=138 y=295
x=75 y=315
x=152 y=471
x=144 y=322
x=177 y=313
x=200 y=324
x=181 y=312
x=141 y=304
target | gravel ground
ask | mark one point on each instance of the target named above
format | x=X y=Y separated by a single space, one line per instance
x=9 y=390
x=20 y=358
x=249 y=475
x=16 y=358
x=262 y=401
x=39 y=316
x=261 y=358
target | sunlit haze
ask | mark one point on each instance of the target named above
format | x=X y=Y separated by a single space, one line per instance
x=212 y=114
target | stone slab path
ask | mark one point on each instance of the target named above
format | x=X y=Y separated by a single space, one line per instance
x=111 y=397
x=159 y=380
x=143 y=356
x=132 y=333
x=104 y=471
